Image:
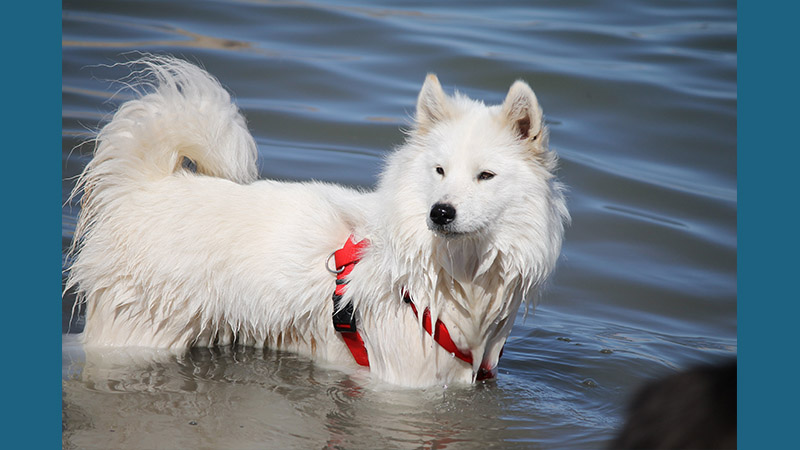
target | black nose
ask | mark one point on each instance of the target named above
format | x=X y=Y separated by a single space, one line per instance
x=443 y=213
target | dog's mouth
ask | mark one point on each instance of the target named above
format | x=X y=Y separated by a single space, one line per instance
x=453 y=231
x=448 y=231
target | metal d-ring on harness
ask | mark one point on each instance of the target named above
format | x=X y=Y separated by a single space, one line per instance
x=328 y=265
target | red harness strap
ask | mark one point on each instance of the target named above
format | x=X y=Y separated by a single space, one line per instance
x=441 y=334
x=357 y=348
x=344 y=318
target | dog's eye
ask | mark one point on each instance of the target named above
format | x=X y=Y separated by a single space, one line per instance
x=485 y=175
x=439 y=170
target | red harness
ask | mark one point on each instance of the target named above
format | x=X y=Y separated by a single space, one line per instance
x=344 y=317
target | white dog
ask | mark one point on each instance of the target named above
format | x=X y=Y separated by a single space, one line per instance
x=465 y=223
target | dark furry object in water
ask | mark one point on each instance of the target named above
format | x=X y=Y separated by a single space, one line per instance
x=694 y=409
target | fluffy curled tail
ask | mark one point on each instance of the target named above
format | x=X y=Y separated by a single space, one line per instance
x=182 y=112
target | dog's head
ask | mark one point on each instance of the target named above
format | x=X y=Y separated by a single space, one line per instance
x=480 y=173
x=482 y=165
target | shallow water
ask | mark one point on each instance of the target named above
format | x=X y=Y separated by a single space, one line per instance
x=641 y=103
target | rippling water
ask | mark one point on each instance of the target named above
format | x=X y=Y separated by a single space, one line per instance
x=641 y=102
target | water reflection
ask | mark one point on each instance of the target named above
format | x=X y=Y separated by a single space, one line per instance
x=233 y=397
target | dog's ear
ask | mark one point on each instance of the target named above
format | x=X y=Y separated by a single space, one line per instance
x=522 y=110
x=432 y=104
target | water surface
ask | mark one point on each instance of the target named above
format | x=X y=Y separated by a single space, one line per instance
x=641 y=103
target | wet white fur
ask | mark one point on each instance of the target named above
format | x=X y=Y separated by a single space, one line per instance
x=168 y=258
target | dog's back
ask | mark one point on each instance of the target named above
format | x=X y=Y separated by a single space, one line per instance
x=168 y=258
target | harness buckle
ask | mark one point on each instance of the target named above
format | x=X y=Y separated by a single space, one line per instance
x=344 y=319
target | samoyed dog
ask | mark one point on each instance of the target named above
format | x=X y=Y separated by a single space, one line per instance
x=178 y=245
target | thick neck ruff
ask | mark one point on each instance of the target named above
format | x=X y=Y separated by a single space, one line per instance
x=344 y=319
